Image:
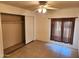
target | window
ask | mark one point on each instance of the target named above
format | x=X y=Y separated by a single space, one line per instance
x=62 y=29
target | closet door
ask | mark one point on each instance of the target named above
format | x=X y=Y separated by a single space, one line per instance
x=29 y=28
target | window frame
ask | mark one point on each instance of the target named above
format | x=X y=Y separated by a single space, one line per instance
x=62 y=28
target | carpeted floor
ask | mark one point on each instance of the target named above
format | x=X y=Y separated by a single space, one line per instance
x=38 y=49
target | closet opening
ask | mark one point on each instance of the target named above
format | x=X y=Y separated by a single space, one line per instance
x=13 y=32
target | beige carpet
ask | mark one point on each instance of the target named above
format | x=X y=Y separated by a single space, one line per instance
x=38 y=49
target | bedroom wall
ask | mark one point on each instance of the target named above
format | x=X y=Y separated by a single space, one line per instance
x=12 y=10
x=43 y=25
x=1 y=41
x=78 y=47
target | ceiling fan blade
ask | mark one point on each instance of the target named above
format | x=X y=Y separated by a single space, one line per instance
x=52 y=8
x=48 y=7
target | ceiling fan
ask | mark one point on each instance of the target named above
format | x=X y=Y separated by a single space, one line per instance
x=43 y=7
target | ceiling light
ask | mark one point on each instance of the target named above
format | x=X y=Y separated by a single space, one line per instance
x=39 y=10
x=42 y=10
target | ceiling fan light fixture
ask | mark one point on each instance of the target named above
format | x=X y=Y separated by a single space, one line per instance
x=42 y=10
x=39 y=10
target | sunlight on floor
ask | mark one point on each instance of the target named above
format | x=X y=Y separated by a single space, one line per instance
x=59 y=49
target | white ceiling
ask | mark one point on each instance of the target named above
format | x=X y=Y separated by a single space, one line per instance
x=32 y=5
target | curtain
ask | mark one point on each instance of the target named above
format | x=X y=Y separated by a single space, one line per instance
x=62 y=29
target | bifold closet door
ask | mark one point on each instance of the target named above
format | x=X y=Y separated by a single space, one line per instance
x=29 y=28
x=13 y=30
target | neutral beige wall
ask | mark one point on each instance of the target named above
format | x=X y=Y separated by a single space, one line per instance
x=13 y=10
x=1 y=41
x=43 y=24
x=42 y=27
x=78 y=47
x=29 y=28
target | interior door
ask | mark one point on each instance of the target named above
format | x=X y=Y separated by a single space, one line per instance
x=29 y=28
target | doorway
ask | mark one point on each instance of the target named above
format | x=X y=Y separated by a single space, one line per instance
x=13 y=30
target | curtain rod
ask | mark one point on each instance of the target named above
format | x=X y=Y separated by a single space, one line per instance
x=63 y=17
